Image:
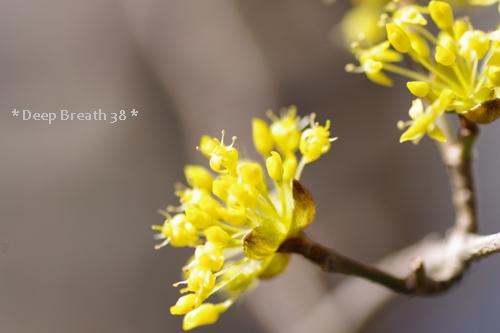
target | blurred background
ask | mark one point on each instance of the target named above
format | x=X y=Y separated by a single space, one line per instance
x=77 y=198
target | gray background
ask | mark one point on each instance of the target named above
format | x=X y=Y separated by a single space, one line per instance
x=77 y=198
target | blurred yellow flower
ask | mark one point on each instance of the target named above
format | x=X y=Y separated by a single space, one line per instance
x=460 y=62
x=362 y=21
x=423 y=121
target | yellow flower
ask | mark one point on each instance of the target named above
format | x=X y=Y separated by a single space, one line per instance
x=362 y=21
x=205 y=314
x=315 y=141
x=235 y=219
x=459 y=59
x=423 y=121
x=374 y=60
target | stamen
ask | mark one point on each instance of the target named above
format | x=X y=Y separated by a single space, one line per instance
x=222 y=285
x=174 y=209
x=312 y=118
x=405 y=72
x=303 y=123
x=401 y=125
x=300 y=168
x=222 y=133
x=327 y=124
x=187 y=267
x=180 y=283
x=158 y=236
x=233 y=141
x=431 y=68
x=164 y=214
x=162 y=244
x=351 y=68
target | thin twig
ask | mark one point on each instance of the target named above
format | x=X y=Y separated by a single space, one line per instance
x=434 y=270
x=340 y=310
x=457 y=156
x=443 y=265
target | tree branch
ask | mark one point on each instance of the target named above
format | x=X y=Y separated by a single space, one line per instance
x=443 y=264
x=457 y=156
x=437 y=268
x=340 y=311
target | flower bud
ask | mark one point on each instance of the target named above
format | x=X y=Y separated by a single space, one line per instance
x=398 y=37
x=441 y=14
x=289 y=168
x=274 y=166
x=418 y=88
x=460 y=27
x=198 y=176
x=183 y=232
x=233 y=215
x=221 y=185
x=184 y=304
x=241 y=195
x=198 y=217
x=315 y=141
x=251 y=173
x=262 y=138
x=285 y=131
x=419 y=45
x=205 y=314
x=217 y=236
x=207 y=145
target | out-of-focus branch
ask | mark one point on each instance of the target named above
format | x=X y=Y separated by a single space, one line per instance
x=482 y=246
x=456 y=154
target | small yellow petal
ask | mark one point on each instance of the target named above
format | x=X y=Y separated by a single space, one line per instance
x=184 y=304
x=437 y=134
x=274 y=166
x=198 y=176
x=262 y=138
x=380 y=78
x=205 y=314
x=216 y=235
x=315 y=141
x=398 y=37
x=418 y=88
x=442 y=14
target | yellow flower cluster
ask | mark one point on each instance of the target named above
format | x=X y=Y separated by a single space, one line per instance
x=234 y=219
x=461 y=65
x=362 y=21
